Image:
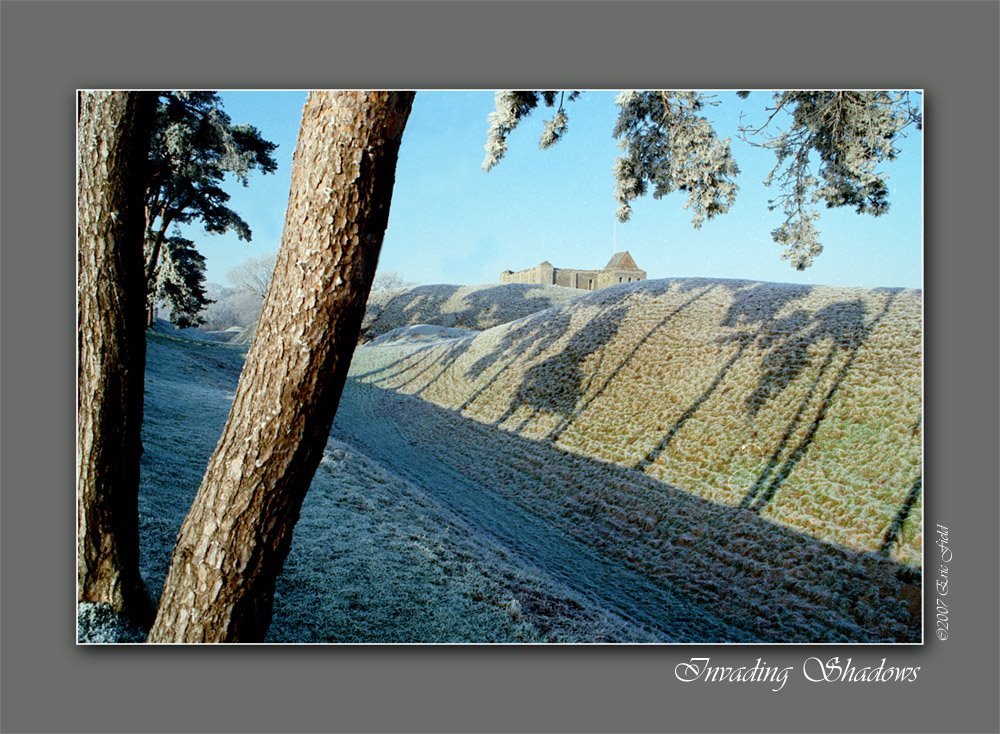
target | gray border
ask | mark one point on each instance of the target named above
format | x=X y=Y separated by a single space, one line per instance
x=50 y=49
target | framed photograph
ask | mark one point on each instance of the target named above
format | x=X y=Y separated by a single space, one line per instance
x=721 y=446
x=459 y=407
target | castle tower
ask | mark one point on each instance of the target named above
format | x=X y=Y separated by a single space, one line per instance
x=621 y=268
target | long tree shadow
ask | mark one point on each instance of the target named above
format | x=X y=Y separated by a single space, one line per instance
x=442 y=361
x=580 y=406
x=476 y=308
x=895 y=529
x=391 y=370
x=503 y=303
x=483 y=306
x=418 y=363
x=419 y=305
x=706 y=561
x=555 y=384
x=754 y=310
x=528 y=339
x=843 y=325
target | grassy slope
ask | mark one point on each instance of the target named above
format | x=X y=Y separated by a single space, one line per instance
x=789 y=418
x=374 y=559
x=466 y=307
x=752 y=447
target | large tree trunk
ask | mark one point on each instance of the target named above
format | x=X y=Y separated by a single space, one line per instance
x=234 y=541
x=114 y=133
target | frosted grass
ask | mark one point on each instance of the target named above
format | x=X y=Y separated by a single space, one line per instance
x=688 y=460
x=475 y=307
x=755 y=446
x=374 y=558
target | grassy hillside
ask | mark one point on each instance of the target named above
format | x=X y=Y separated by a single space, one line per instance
x=672 y=461
x=375 y=558
x=465 y=307
x=757 y=445
x=475 y=307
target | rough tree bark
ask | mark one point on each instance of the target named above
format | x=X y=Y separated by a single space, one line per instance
x=114 y=133
x=234 y=540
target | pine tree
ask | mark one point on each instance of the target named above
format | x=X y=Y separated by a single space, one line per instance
x=195 y=145
x=114 y=132
x=852 y=133
x=234 y=540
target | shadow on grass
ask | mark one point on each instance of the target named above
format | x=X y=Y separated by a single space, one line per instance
x=844 y=325
x=565 y=366
x=755 y=316
x=536 y=335
x=422 y=303
x=892 y=535
x=765 y=580
x=580 y=406
x=528 y=339
x=687 y=568
x=478 y=309
x=483 y=307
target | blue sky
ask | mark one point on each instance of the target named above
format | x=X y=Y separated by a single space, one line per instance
x=453 y=223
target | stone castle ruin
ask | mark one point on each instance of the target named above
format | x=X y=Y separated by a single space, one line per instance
x=621 y=268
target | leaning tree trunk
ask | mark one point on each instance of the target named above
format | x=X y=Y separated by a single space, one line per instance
x=114 y=133
x=233 y=543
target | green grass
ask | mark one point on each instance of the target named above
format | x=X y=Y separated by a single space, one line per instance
x=809 y=395
x=752 y=451
x=789 y=415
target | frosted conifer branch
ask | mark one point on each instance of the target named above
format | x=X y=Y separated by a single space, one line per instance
x=179 y=283
x=554 y=130
x=852 y=133
x=510 y=107
x=669 y=146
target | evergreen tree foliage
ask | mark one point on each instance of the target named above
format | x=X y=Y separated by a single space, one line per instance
x=512 y=106
x=851 y=134
x=180 y=281
x=668 y=145
x=195 y=145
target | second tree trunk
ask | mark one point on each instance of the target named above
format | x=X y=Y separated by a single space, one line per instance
x=234 y=541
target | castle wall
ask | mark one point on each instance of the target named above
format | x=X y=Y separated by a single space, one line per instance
x=572 y=278
x=545 y=274
x=542 y=274
x=614 y=277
